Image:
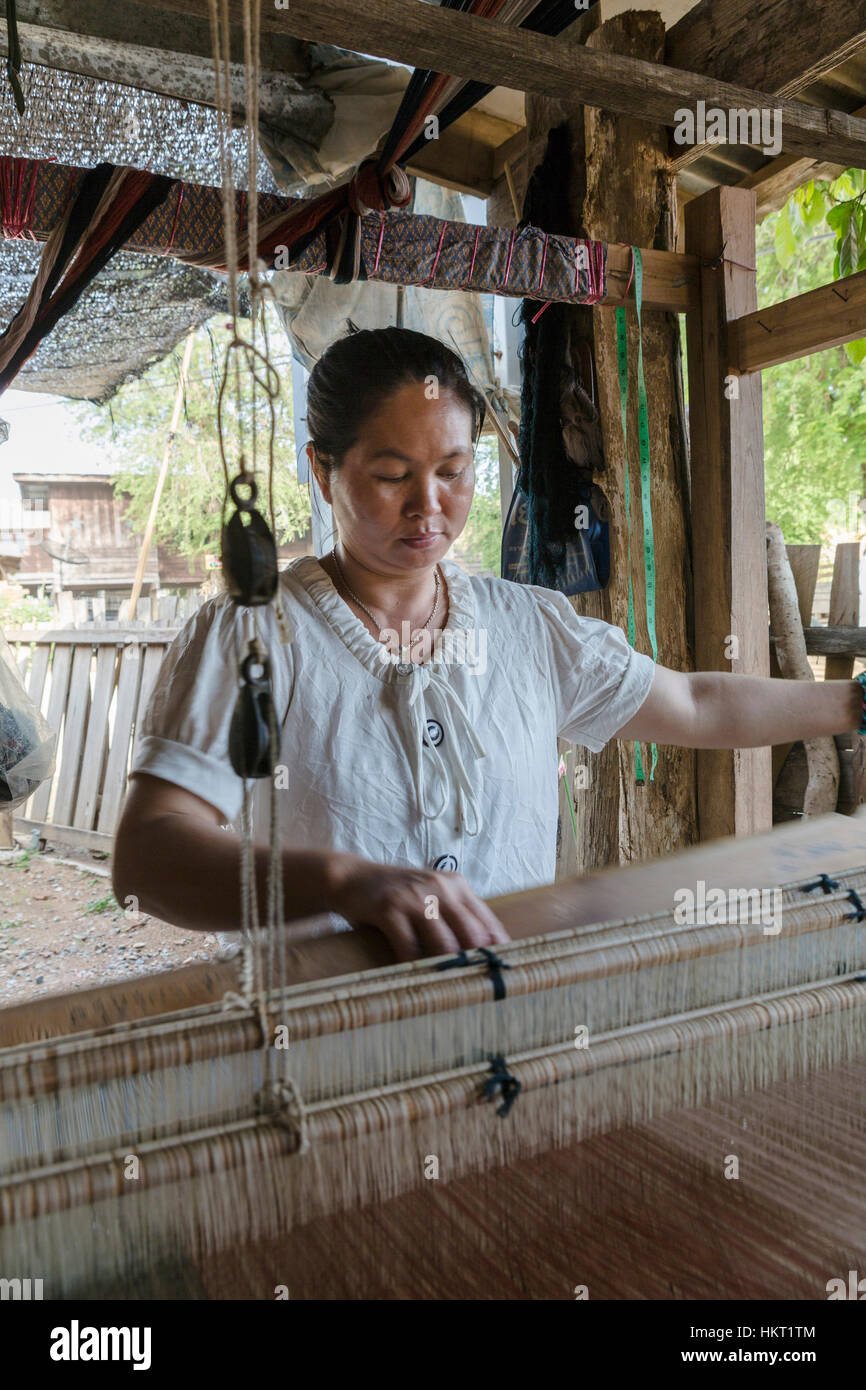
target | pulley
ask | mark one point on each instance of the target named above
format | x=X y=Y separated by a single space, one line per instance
x=250 y=750
x=249 y=551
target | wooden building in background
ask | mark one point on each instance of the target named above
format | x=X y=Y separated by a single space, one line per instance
x=72 y=537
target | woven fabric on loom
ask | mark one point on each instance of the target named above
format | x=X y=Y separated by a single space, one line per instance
x=397 y=248
x=403 y=249
x=195 y=219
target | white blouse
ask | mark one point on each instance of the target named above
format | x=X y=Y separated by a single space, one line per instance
x=451 y=764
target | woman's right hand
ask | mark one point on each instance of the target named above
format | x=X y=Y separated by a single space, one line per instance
x=421 y=912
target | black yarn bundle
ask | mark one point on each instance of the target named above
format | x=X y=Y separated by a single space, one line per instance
x=552 y=483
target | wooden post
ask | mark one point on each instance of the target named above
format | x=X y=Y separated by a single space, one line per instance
x=845 y=612
x=616 y=194
x=727 y=471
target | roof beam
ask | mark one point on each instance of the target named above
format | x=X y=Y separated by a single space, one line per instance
x=463 y=45
x=161 y=53
x=134 y=25
x=797 y=327
x=718 y=37
x=771 y=44
x=775 y=182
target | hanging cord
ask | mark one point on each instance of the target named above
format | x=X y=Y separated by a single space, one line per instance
x=265 y=966
x=13 y=61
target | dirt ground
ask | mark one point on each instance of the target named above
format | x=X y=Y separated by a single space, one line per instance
x=61 y=929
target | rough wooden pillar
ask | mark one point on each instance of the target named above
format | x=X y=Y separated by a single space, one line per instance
x=727 y=466
x=617 y=193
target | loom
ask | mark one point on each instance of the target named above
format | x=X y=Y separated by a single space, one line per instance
x=461 y=1119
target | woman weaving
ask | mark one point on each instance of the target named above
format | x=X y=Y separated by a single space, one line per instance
x=420 y=774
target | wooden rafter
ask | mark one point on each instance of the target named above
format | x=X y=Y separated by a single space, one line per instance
x=465 y=46
x=718 y=37
x=798 y=327
x=773 y=44
x=775 y=182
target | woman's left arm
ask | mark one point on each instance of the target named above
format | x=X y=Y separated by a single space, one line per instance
x=714 y=709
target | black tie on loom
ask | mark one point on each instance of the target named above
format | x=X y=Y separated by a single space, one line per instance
x=501 y=1080
x=495 y=967
x=830 y=885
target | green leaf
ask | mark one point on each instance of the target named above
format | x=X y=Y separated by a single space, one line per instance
x=785 y=242
x=815 y=209
x=843 y=187
x=794 y=211
x=849 y=247
x=856 y=351
x=839 y=216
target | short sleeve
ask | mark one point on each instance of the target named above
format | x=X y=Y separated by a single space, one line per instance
x=184 y=735
x=599 y=680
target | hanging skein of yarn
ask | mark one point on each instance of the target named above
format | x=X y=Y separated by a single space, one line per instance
x=556 y=550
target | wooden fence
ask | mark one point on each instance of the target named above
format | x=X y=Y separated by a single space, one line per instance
x=93 y=685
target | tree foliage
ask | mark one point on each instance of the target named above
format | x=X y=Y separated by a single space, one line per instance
x=133 y=430
x=815 y=407
x=482 y=536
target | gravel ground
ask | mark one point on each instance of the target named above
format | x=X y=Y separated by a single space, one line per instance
x=61 y=930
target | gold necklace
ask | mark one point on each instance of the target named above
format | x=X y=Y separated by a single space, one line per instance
x=353 y=595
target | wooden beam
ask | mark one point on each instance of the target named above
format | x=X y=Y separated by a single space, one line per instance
x=772 y=44
x=836 y=641
x=718 y=37
x=775 y=182
x=671 y=280
x=844 y=606
x=797 y=327
x=463 y=45
x=65 y=834
x=463 y=156
x=727 y=512
x=166 y=54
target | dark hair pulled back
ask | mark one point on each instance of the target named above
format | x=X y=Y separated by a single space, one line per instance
x=357 y=373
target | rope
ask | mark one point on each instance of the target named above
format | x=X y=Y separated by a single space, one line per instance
x=264 y=974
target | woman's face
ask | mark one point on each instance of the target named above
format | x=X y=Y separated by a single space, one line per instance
x=402 y=493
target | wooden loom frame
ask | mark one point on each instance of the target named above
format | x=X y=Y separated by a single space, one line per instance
x=331 y=996
x=728 y=338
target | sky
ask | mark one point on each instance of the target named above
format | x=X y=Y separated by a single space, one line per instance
x=43 y=438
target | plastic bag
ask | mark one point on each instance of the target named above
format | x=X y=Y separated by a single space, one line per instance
x=27 y=741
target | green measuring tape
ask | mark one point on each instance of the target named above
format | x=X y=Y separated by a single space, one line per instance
x=646 y=501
